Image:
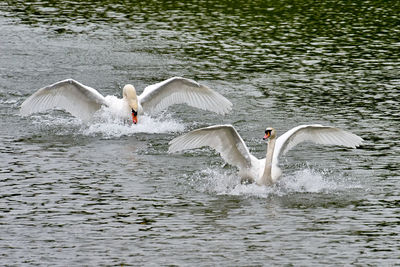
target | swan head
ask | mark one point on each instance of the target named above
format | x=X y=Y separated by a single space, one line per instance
x=269 y=133
x=129 y=94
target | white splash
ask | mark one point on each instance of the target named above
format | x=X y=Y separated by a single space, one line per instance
x=107 y=125
x=304 y=181
x=55 y=124
x=311 y=181
x=112 y=127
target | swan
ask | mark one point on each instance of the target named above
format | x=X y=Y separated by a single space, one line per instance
x=227 y=141
x=83 y=101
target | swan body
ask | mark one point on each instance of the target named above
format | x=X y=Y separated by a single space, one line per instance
x=227 y=141
x=83 y=101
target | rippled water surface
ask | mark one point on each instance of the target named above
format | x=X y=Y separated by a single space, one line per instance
x=108 y=193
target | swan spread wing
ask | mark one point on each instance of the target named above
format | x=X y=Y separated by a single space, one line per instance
x=324 y=135
x=78 y=99
x=223 y=138
x=177 y=90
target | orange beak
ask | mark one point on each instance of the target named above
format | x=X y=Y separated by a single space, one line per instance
x=266 y=136
x=134 y=117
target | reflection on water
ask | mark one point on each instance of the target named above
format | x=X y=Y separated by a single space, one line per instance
x=108 y=194
x=240 y=37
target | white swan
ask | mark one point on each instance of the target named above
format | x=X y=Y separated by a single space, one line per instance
x=83 y=101
x=226 y=140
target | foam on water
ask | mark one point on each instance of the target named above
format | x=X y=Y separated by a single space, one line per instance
x=107 y=125
x=56 y=124
x=303 y=181
x=115 y=127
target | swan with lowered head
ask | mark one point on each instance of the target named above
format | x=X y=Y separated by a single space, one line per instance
x=227 y=141
x=83 y=101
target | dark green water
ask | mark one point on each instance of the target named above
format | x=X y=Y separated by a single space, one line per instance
x=109 y=194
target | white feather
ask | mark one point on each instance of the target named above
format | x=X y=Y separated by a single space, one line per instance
x=83 y=101
x=318 y=134
x=177 y=90
x=223 y=138
x=78 y=99
x=226 y=140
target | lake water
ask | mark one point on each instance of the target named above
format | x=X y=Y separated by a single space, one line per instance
x=107 y=193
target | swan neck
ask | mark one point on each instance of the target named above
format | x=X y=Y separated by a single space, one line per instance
x=129 y=93
x=267 y=175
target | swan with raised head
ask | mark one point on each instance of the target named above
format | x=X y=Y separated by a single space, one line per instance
x=227 y=141
x=83 y=101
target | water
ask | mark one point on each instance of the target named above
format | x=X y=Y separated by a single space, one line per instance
x=107 y=193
